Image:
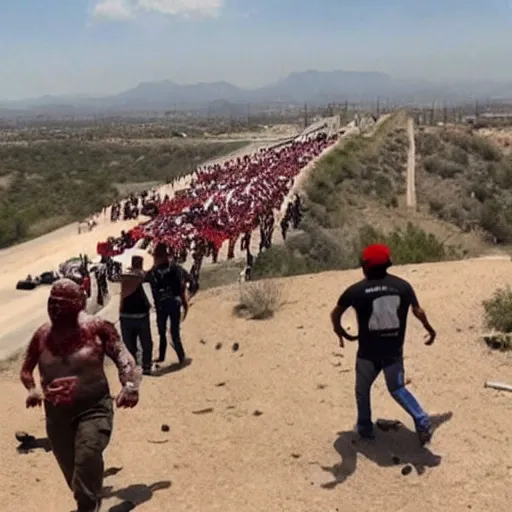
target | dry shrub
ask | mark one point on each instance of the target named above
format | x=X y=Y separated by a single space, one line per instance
x=259 y=300
x=498 y=310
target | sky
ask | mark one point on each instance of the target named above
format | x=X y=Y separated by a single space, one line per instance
x=101 y=47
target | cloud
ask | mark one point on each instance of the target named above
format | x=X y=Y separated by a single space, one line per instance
x=126 y=9
x=113 y=10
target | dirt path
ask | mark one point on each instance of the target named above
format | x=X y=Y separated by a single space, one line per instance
x=411 y=166
x=269 y=428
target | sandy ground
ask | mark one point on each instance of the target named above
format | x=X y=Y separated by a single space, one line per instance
x=298 y=453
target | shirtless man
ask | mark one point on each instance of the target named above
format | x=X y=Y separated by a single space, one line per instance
x=69 y=352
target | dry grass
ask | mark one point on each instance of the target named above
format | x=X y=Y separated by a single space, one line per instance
x=259 y=300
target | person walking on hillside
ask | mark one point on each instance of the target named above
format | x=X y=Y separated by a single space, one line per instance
x=134 y=308
x=69 y=352
x=168 y=285
x=382 y=303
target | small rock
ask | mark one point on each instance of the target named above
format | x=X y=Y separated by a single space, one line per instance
x=321 y=386
x=236 y=346
x=257 y=413
x=300 y=327
x=218 y=346
x=220 y=384
x=165 y=428
x=407 y=470
x=296 y=455
x=202 y=342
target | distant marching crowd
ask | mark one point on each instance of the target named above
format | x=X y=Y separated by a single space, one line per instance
x=224 y=202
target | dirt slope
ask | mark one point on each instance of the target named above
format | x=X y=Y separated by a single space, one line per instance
x=298 y=455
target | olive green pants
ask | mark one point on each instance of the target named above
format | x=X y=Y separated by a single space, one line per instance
x=78 y=439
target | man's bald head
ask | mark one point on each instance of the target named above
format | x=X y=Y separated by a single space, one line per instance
x=66 y=301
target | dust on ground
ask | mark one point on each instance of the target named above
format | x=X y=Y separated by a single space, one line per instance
x=268 y=427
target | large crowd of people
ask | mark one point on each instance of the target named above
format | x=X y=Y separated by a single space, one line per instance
x=224 y=202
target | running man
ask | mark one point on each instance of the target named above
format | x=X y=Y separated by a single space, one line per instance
x=69 y=353
x=382 y=303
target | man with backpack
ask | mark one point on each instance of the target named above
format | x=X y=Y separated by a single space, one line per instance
x=168 y=285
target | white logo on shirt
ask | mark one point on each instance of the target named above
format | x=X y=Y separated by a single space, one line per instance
x=385 y=313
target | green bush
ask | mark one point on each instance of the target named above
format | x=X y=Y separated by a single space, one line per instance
x=320 y=250
x=498 y=310
x=496 y=219
x=444 y=168
x=67 y=181
x=410 y=245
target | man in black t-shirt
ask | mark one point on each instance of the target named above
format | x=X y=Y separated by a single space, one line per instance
x=134 y=314
x=382 y=302
x=168 y=286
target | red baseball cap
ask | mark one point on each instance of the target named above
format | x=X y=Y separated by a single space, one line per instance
x=375 y=255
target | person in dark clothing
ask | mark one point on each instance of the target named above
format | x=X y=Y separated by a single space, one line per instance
x=168 y=285
x=191 y=280
x=382 y=303
x=134 y=314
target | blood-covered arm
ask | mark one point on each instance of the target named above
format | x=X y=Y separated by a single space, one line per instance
x=116 y=350
x=31 y=360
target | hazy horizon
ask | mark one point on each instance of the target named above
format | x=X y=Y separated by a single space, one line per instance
x=102 y=47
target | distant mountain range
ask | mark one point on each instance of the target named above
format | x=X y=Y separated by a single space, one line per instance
x=313 y=87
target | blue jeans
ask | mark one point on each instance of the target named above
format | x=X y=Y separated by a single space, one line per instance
x=170 y=309
x=366 y=373
x=133 y=329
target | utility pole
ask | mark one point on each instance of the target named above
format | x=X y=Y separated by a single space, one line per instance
x=445 y=114
x=306 y=120
x=378 y=107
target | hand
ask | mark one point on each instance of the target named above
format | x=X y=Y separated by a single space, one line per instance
x=127 y=399
x=341 y=341
x=430 y=338
x=34 y=399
